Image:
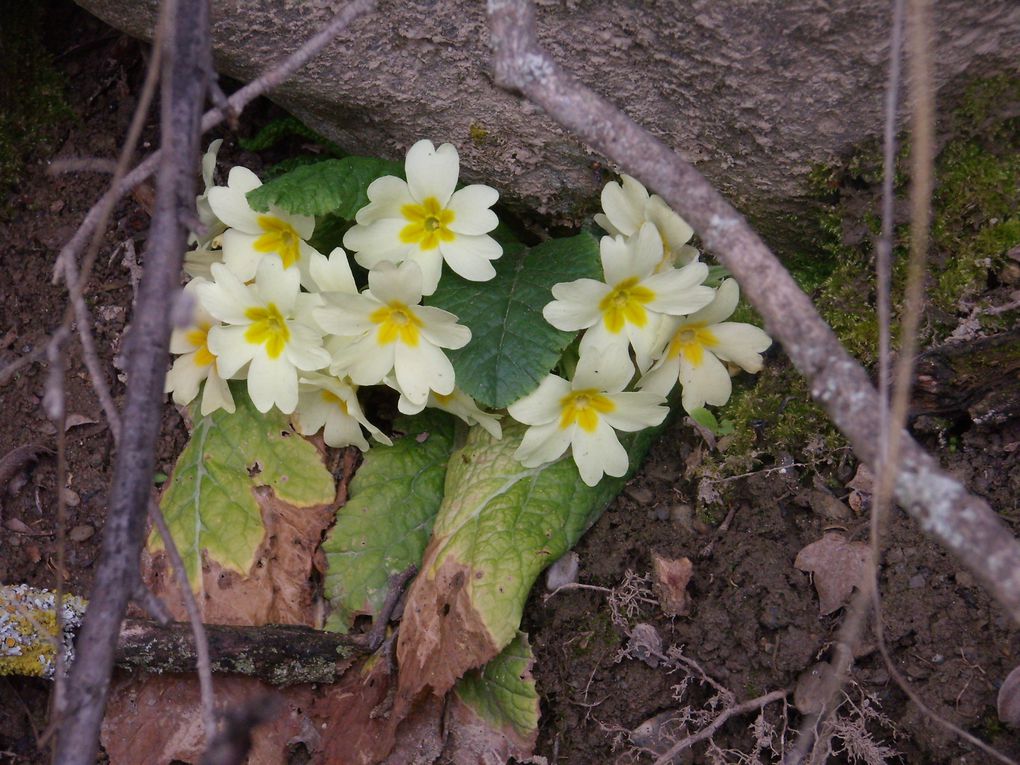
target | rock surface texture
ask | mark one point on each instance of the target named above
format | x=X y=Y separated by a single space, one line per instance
x=755 y=93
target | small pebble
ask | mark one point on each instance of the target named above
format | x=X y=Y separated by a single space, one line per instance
x=81 y=533
x=640 y=494
x=916 y=581
x=71 y=498
x=562 y=572
x=662 y=513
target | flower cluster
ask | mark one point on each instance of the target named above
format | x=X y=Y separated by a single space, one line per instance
x=652 y=317
x=270 y=309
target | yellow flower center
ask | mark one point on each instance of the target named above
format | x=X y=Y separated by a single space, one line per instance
x=280 y=238
x=428 y=224
x=691 y=341
x=395 y=321
x=583 y=407
x=331 y=398
x=626 y=303
x=268 y=328
x=198 y=337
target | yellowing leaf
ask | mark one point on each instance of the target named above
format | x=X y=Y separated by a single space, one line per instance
x=209 y=502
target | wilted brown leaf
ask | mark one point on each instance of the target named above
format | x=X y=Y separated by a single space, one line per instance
x=277 y=590
x=671 y=577
x=473 y=740
x=157 y=720
x=837 y=565
x=442 y=634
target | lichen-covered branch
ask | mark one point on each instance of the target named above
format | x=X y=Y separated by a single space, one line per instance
x=963 y=523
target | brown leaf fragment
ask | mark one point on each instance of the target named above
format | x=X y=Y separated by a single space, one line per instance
x=658 y=734
x=824 y=504
x=355 y=716
x=421 y=735
x=442 y=636
x=837 y=566
x=671 y=576
x=861 y=486
x=476 y=741
x=278 y=588
x=812 y=691
x=17 y=460
x=157 y=720
x=77 y=420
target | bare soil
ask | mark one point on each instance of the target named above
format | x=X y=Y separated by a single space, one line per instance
x=753 y=625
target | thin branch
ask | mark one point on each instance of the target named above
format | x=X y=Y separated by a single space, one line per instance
x=274 y=76
x=202 y=663
x=183 y=91
x=961 y=522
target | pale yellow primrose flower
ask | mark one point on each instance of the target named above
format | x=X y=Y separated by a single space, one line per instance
x=197 y=363
x=458 y=403
x=207 y=243
x=331 y=404
x=425 y=220
x=264 y=332
x=393 y=334
x=252 y=235
x=697 y=348
x=629 y=206
x=582 y=414
x=626 y=310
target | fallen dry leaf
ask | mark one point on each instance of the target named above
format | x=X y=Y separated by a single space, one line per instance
x=1008 y=701
x=837 y=566
x=861 y=486
x=671 y=576
x=473 y=740
x=157 y=720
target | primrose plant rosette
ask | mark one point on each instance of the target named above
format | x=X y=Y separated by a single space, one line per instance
x=426 y=220
x=252 y=235
x=625 y=311
x=263 y=332
x=697 y=347
x=392 y=334
x=584 y=415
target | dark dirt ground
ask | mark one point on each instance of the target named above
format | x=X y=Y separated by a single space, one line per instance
x=753 y=625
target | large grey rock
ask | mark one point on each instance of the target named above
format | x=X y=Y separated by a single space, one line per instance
x=755 y=92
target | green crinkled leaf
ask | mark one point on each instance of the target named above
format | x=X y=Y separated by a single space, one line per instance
x=209 y=502
x=512 y=346
x=503 y=691
x=276 y=131
x=505 y=523
x=385 y=525
x=337 y=186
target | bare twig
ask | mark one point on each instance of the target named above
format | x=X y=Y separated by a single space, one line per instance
x=709 y=730
x=194 y=617
x=183 y=91
x=273 y=77
x=375 y=637
x=961 y=522
x=92 y=164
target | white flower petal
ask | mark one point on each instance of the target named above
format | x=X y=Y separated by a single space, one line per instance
x=636 y=410
x=184 y=378
x=366 y=362
x=304 y=350
x=421 y=368
x=542 y=444
x=216 y=395
x=662 y=376
x=332 y=274
x=390 y=283
x=617 y=259
x=593 y=370
x=542 y=405
x=431 y=264
x=646 y=251
x=346 y=315
x=722 y=306
x=276 y=284
x=625 y=205
x=470 y=206
x=612 y=349
x=432 y=172
x=598 y=453
x=674 y=230
x=387 y=195
x=673 y=297
x=741 y=344
x=441 y=328
x=576 y=305
x=230 y=204
x=240 y=255
x=469 y=256
x=232 y=351
x=606 y=225
x=378 y=241
x=707 y=383
x=272 y=382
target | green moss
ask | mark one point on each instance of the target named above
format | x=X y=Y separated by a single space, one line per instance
x=31 y=90
x=976 y=221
